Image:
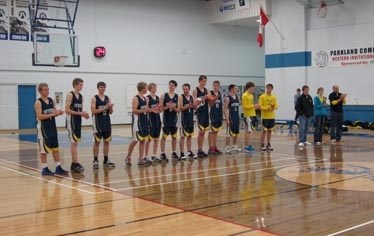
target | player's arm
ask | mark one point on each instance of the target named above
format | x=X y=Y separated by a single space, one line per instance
x=110 y=106
x=226 y=110
x=69 y=100
x=57 y=112
x=176 y=108
x=246 y=105
x=162 y=107
x=211 y=102
x=180 y=104
x=275 y=103
x=148 y=109
x=135 y=104
x=135 y=109
x=263 y=106
x=95 y=110
x=41 y=116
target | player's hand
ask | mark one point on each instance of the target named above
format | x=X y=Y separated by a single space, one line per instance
x=344 y=95
x=60 y=112
x=85 y=115
x=257 y=106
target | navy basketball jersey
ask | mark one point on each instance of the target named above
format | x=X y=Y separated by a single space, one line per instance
x=200 y=94
x=216 y=109
x=170 y=117
x=140 y=121
x=187 y=115
x=76 y=105
x=154 y=118
x=47 y=127
x=101 y=121
x=233 y=108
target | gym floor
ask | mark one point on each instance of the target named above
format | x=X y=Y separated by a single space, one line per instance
x=317 y=190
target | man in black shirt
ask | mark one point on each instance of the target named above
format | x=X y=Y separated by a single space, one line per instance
x=337 y=100
x=304 y=109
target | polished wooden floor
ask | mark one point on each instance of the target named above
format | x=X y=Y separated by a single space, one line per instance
x=290 y=191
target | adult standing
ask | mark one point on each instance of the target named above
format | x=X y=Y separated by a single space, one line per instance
x=295 y=97
x=337 y=100
x=320 y=113
x=304 y=109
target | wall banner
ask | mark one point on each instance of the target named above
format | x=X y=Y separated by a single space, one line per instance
x=358 y=56
x=19 y=20
x=4 y=20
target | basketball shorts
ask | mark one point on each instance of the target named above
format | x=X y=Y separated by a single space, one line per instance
x=251 y=123
x=268 y=124
x=106 y=136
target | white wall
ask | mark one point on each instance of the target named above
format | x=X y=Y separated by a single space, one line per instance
x=349 y=25
x=149 y=40
x=289 y=18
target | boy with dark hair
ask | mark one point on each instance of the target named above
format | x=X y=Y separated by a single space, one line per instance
x=250 y=118
x=101 y=109
x=187 y=123
x=202 y=113
x=169 y=106
x=232 y=119
x=304 y=108
x=216 y=116
x=268 y=104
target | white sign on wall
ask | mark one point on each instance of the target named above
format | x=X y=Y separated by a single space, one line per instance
x=359 y=56
x=232 y=5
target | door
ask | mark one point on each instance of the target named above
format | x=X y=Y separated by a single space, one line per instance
x=26 y=100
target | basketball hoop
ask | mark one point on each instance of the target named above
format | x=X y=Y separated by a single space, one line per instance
x=322 y=11
x=59 y=61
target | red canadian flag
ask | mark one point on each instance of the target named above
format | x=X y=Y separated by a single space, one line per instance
x=263 y=21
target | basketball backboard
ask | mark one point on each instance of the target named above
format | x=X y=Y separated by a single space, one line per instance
x=48 y=46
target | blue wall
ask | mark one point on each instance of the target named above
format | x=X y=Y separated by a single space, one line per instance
x=363 y=113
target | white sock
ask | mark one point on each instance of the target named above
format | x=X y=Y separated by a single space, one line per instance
x=58 y=163
x=44 y=165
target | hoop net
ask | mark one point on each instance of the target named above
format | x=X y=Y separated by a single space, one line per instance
x=59 y=61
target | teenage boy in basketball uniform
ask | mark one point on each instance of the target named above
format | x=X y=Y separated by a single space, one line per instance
x=250 y=118
x=232 y=119
x=101 y=109
x=140 y=129
x=187 y=123
x=216 y=116
x=46 y=112
x=154 y=120
x=269 y=104
x=202 y=113
x=74 y=113
x=169 y=106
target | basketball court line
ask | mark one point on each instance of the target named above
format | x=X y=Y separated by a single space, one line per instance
x=58 y=176
x=84 y=191
x=198 y=171
x=64 y=208
x=46 y=180
x=351 y=228
x=216 y=176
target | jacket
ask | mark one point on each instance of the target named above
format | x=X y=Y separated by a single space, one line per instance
x=304 y=105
